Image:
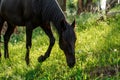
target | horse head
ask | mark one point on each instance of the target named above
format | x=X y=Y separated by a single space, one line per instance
x=67 y=42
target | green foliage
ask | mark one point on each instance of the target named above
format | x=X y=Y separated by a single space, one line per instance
x=97 y=53
x=71 y=7
x=116 y=8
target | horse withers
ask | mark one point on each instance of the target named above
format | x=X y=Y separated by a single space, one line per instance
x=33 y=13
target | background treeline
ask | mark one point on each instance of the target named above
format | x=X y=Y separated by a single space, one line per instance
x=88 y=5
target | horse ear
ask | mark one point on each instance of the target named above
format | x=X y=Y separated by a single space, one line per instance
x=62 y=23
x=73 y=24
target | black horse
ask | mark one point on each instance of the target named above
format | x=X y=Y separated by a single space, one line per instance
x=33 y=13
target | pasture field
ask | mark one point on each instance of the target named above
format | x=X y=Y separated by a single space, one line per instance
x=97 y=53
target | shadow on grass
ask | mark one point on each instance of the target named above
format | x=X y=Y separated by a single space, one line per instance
x=108 y=56
x=34 y=73
x=110 y=70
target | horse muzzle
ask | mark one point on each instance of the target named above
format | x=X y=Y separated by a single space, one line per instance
x=70 y=60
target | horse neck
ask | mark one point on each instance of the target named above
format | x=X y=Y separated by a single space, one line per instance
x=54 y=13
x=56 y=20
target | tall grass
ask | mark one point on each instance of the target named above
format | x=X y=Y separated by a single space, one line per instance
x=97 y=53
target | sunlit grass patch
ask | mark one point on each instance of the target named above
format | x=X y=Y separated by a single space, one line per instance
x=97 y=53
x=98 y=44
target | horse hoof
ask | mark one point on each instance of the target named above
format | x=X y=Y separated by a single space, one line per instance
x=27 y=61
x=0 y=55
x=6 y=56
x=41 y=58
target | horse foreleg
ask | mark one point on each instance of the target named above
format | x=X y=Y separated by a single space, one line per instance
x=48 y=31
x=7 y=35
x=28 y=43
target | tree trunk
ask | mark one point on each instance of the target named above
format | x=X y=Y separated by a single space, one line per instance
x=62 y=4
x=88 y=5
x=84 y=5
x=80 y=6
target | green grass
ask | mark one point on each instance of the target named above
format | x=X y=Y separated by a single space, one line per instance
x=97 y=53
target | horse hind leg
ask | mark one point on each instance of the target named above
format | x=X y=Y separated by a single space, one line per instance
x=1 y=25
x=7 y=35
x=48 y=31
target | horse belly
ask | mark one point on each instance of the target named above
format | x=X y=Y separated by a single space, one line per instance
x=16 y=21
